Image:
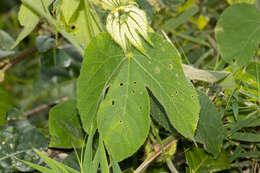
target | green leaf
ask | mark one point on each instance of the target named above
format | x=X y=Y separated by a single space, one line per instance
x=247 y=137
x=68 y=8
x=241 y=1
x=239 y=46
x=159 y=115
x=64 y=126
x=6 y=42
x=199 y=161
x=102 y=59
x=173 y=23
x=24 y=14
x=37 y=167
x=253 y=70
x=164 y=76
x=123 y=117
x=210 y=130
x=17 y=139
x=44 y=43
x=127 y=98
x=103 y=158
x=5 y=104
x=253 y=120
x=55 y=165
x=84 y=24
x=54 y=57
x=203 y=75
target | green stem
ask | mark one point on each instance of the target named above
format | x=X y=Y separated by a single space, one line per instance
x=171 y=166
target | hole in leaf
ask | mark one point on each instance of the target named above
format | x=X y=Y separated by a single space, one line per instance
x=121 y=84
x=135 y=82
x=120 y=121
x=140 y=107
x=113 y=102
x=176 y=92
x=133 y=91
x=73 y=27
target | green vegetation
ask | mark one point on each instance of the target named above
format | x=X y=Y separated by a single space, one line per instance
x=145 y=86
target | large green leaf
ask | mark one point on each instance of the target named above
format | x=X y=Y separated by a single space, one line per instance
x=210 y=130
x=161 y=73
x=123 y=117
x=102 y=59
x=199 y=161
x=238 y=33
x=64 y=125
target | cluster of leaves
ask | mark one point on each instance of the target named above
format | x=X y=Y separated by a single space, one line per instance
x=130 y=95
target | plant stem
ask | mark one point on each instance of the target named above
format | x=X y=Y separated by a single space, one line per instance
x=148 y=161
x=171 y=166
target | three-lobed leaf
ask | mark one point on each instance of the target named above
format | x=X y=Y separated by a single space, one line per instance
x=124 y=110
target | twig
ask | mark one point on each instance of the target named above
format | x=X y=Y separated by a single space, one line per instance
x=43 y=107
x=148 y=161
x=23 y=55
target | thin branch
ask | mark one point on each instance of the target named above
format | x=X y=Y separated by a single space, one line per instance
x=43 y=107
x=26 y=54
x=148 y=161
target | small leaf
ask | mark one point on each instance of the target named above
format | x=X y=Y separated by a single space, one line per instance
x=239 y=46
x=64 y=126
x=24 y=14
x=199 y=161
x=203 y=75
x=44 y=43
x=247 y=137
x=253 y=70
x=210 y=130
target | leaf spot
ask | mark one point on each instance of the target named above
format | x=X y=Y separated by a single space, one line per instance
x=157 y=70
x=133 y=91
x=170 y=66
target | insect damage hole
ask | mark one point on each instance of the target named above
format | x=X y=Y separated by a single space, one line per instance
x=73 y=27
x=113 y=102
x=121 y=84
